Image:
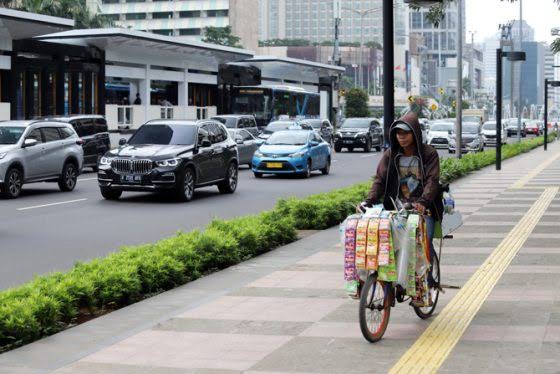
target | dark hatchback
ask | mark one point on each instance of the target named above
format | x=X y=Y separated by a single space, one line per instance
x=171 y=156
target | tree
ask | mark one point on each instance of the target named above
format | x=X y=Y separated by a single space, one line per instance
x=75 y=9
x=436 y=13
x=221 y=36
x=357 y=103
x=284 y=43
x=466 y=86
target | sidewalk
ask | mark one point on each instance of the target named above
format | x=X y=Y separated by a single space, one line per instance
x=286 y=311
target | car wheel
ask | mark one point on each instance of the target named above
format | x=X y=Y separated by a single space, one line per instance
x=258 y=175
x=69 y=178
x=380 y=146
x=307 y=172
x=11 y=187
x=110 y=194
x=184 y=190
x=327 y=169
x=367 y=147
x=337 y=148
x=95 y=168
x=229 y=185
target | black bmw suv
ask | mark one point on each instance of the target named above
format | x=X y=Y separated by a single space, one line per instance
x=171 y=156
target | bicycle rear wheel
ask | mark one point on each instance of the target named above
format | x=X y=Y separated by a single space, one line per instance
x=375 y=308
x=427 y=311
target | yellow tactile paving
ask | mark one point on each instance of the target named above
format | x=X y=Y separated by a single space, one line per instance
x=429 y=352
x=523 y=181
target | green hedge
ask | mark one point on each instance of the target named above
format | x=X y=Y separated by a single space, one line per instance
x=53 y=302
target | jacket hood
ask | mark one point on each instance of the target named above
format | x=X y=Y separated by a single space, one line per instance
x=410 y=119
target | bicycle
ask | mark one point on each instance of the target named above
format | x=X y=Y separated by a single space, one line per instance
x=378 y=297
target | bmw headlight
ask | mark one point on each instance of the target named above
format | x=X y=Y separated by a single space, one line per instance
x=2 y=155
x=297 y=154
x=474 y=143
x=104 y=160
x=361 y=134
x=172 y=162
x=258 y=154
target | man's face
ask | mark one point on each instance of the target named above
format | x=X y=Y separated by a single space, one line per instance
x=405 y=138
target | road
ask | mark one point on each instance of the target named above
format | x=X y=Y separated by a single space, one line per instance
x=45 y=230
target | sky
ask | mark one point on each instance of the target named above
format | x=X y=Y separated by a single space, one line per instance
x=484 y=16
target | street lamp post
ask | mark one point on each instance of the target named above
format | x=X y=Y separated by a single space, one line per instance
x=511 y=56
x=552 y=83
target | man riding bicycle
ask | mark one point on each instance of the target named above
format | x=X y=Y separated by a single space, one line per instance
x=409 y=172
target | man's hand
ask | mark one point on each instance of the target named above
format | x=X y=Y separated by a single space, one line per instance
x=361 y=208
x=420 y=208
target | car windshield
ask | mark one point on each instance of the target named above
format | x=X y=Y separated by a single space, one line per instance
x=470 y=129
x=355 y=123
x=164 y=135
x=288 y=138
x=313 y=124
x=471 y=119
x=489 y=126
x=442 y=127
x=229 y=122
x=10 y=134
x=279 y=125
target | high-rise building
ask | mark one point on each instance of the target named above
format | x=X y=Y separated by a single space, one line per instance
x=489 y=57
x=548 y=62
x=313 y=20
x=186 y=18
x=532 y=76
x=528 y=31
x=440 y=43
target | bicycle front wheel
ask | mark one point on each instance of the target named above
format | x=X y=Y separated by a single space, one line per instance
x=375 y=308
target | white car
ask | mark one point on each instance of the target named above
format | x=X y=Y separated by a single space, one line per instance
x=438 y=135
x=489 y=133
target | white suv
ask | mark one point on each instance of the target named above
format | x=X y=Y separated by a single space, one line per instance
x=38 y=151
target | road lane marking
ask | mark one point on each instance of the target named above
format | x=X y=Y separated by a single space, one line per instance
x=369 y=155
x=51 y=204
x=536 y=171
x=431 y=349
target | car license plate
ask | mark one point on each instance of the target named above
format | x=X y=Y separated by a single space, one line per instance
x=274 y=165
x=130 y=178
x=348 y=141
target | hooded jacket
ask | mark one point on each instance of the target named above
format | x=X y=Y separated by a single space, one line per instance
x=386 y=183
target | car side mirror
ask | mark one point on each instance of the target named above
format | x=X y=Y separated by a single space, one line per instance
x=314 y=143
x=122 y=141
x=450 y=132
x=29 y=143
x=205 y=143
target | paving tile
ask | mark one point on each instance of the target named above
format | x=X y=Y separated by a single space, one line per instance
x=265 y=309
x=333 y=355
x=321 y=293
x=190 y=350
x=233 y=327
x=302 y=279
x=82 y=367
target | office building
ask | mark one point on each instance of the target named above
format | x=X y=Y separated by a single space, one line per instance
x=185 y=18
x=440 y=44
x=313 y=20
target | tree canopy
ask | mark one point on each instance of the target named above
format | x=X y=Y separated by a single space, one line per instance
x=357 y=103
x=221 y=36
x=75 y=9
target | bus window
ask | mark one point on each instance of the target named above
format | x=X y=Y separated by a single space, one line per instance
x=282 y=104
